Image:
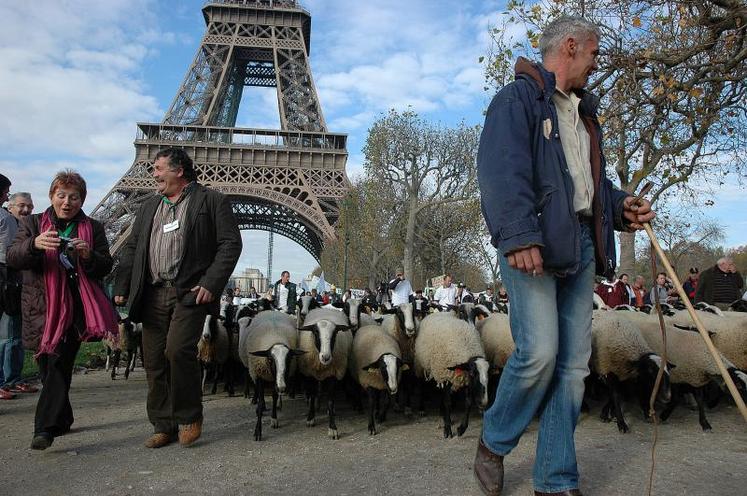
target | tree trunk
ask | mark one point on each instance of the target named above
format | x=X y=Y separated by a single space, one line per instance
x=409 y=254
x=627 y=254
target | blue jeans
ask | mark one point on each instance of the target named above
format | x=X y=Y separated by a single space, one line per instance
x=11 y=350
x=551 y=326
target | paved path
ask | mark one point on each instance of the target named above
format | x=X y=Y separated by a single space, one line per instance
x=104 y=454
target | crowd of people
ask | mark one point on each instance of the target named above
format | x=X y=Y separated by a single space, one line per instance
x=720 y=285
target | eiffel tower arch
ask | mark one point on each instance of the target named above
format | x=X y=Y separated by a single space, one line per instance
x=288 y=181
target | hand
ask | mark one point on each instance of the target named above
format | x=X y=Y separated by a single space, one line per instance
x=203 y=295
x=84 y=251
x=528 y=260
x=120 y=300
x=48 y=240
x=637 y=213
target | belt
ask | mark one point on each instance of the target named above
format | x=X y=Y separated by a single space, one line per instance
x=163 y=284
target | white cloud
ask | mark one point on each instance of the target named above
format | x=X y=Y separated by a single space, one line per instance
x=69 y=76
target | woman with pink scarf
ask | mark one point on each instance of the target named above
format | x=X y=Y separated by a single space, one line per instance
x=64 y=255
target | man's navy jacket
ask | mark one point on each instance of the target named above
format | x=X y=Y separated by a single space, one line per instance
x=526 y=188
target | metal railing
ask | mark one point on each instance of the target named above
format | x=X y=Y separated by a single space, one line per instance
x=270 y=138
x=284 y=4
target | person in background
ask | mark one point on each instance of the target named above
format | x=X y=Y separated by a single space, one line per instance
x=253 y=293
x=315 y=294
x=487 y=298
x=346 y=295
x=184 y=245
x=8 y=228
x=720 y=285
x=445 y=296
x=64 y=255
x=659 y=289
x=401 y=288
x=369 y=300
x=612 y=291
x=12 y=355
x=630 y=296
x=285 y=294
x=502 y=296
x=691 y=283
x=419 y=303
x=639 y=291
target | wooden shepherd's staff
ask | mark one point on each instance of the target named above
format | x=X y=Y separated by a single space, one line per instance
x=701 y=329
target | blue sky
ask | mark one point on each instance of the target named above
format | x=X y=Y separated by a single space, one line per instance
x=77 y=76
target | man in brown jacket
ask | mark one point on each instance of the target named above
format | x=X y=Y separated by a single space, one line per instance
x=184 y=245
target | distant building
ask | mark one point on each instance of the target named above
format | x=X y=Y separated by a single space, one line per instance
x=251 y=277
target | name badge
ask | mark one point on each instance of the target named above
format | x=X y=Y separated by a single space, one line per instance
x=171 y=226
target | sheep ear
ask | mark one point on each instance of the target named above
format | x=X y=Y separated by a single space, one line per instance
x=464 y=367
x=686 y=328
x=296 y=352
x=404 y=367
x=260 y=353
x=244 y=321
x=671 y=366
x=379 y=319
x=342 y=327
x=388 y=310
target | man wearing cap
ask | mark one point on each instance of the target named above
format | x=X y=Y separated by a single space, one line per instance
x=419 y=303
x=401 y=288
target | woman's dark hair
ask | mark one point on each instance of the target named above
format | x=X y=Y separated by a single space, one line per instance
x=4 y=182
x=178 y=158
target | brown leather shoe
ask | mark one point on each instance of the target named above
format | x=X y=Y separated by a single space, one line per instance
x=488 y=470
x=159 y=440
x=6 y=395
x=570 y=492
x=189 y=433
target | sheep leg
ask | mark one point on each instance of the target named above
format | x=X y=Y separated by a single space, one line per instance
x=247 y=383
x=228 y=371
x=699 y=399
x=467 y=409
x=385 y=408
x=421 y=397
x=108 y=358
x=216 y=374
x=274 y=418
x=407 y=388
x=203 y=373
x=671 y=405
x=446 y=410
x=372 y=397
x=492 y=388
x=115 y=362
x=130 y=358
x=332 y=431
x=259 y=390
x=617 y=405
x=311 y=389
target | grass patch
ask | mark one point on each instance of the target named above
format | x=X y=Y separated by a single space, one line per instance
x=90 y=355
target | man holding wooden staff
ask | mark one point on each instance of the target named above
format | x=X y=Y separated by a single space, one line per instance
x=551 y=212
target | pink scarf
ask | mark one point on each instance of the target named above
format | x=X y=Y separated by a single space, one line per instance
x=100 y=317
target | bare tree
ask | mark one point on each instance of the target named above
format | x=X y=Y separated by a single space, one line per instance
x=422 y=165
x=673 y=82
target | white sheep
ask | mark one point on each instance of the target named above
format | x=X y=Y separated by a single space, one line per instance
x=728 y=332
x=326 y=341
x=267 y=344
x=376 y=364
x=620 y=353
x=498 y=343
x=695 y=367
x=448 y=351
x=399 y=322
x=214 y=349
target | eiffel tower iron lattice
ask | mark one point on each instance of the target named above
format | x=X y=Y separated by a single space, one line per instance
x=288 y=181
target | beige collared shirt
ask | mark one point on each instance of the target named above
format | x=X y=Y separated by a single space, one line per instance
x=576 y=148
x=166 y=249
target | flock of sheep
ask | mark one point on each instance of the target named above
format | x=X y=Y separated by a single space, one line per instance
x=400 y=353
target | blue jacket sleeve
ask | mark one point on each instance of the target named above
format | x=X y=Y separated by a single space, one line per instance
x=505 y=172
x=617 y=196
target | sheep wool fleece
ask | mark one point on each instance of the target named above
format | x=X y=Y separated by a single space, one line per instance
x=369 y=344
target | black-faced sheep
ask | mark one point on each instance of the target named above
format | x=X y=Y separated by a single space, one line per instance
x=695 y=367
x=326 y=341
x=214 y=350
x=449 y=352
x=619 y=353
x=307 y=304
x=130 y=339
x=376 y=364
x=267 y=345
x=728 y=332
x=399 y=323
x=498 y=343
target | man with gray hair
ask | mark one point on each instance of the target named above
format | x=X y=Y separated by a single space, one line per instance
x=11 y=346
x=721 y=285
x=551 y=212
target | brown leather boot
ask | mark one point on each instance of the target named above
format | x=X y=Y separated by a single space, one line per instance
x=190 y=433
x=159 y=440
x=570 y=492
x=488 y=470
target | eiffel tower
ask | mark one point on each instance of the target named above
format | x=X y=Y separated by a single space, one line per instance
x=288 y=181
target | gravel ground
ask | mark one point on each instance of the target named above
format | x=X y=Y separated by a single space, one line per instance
x=104 y=453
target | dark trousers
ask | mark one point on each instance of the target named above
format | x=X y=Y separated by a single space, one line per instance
x=54 y=414
x=170 y=335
